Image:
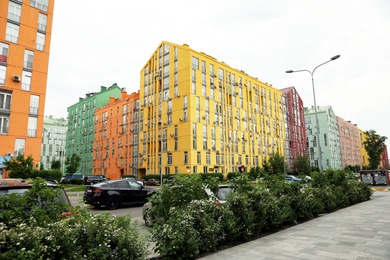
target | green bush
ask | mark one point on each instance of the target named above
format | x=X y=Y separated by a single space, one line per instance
x=76 y=181
x=31 y=228
x=190 y=226
x=81 y=237
x=190 y=230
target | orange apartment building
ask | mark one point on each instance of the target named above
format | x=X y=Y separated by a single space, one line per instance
x=349 y=143
x=25 y=32
x=115 y=148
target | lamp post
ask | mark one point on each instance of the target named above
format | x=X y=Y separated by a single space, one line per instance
x=315 y=106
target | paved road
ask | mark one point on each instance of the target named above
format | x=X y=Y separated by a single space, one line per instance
x=359 y=232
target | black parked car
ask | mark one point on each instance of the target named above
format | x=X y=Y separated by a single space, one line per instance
x=113 y=194
x=90 y=180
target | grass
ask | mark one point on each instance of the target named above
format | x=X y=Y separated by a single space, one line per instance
x=73 y=188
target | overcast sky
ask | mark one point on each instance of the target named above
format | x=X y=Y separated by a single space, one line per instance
x=98 y=42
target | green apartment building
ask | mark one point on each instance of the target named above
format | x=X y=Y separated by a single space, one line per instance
x=81 y=126
x=329 y=144
x=53 y=141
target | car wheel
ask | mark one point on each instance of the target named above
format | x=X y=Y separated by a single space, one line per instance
x=148 y=218
x=112 y=203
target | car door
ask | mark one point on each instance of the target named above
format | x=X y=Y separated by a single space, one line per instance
x=139 y=194
x=124 y=191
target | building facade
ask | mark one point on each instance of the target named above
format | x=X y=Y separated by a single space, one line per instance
x=199 y=115
x=294 y=125
x=81 y=125
x=349 y=143
x=329 y=144
x=115 y=148
x=25 y=32
x=53 y=142
x=363 y=152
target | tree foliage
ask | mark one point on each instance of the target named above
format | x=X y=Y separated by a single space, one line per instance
x=72 y=163
x=20 y=167
x=277 y=164
x=375 y=146
x=301 y=165
x=56 y=164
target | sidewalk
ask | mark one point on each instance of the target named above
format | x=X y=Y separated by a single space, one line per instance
x=361 y=231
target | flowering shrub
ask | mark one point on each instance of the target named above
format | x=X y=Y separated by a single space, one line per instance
x=190 y=228
x=31 y=231
x=81 y=237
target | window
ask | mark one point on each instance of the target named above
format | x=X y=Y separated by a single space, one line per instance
x=40 y=4
x=40 y=45
x=5 y=101
x=42 y=22
x=3 y=52
x=14 y=11
x=28 y=59
x=185 y=158
x=19 y=147
x=12 y=33
x=4 y=124
x=195 y=63
x=26 y=81
x=2 y=75
x=32 y=127
x=34 y=105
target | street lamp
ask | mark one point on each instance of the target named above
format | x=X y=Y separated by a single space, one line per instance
x=315 y=106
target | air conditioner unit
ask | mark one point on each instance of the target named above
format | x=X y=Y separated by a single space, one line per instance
x=203 y=117
x=178 y=95
x=172 y=135
x=157 y=74
x=168 y=151
x=16 y=78
x=181 y=119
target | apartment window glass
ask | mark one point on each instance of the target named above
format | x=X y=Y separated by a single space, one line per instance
x=40 y=4
x=12 y=33
x=195 y=63
x=185 y=158
x=5 y=101
x=14 y=11
x=28 y=59
x=32 y=127
x=42 y=22
x=34 y=105
x=40 y=43
x=19 y=147
x=4 y=124
x=2 y=74
x=3 y=52
x=26 y=81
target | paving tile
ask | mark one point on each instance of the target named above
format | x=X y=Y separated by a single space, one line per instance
x=353 y=233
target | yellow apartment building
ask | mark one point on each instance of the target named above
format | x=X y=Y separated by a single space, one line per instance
x=199 y=115
x=25 y=32
x=363 y=152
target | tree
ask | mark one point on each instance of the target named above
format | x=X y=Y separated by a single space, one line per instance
x=56 y=164
x=20 y=167
x=277 y=164
x=72 y=163
x=301 y=165
x=375 y=146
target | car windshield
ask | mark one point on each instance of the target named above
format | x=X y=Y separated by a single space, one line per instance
x=13 y=191
x=222 y=193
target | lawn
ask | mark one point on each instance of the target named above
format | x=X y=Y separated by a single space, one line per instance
x=72 y=187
